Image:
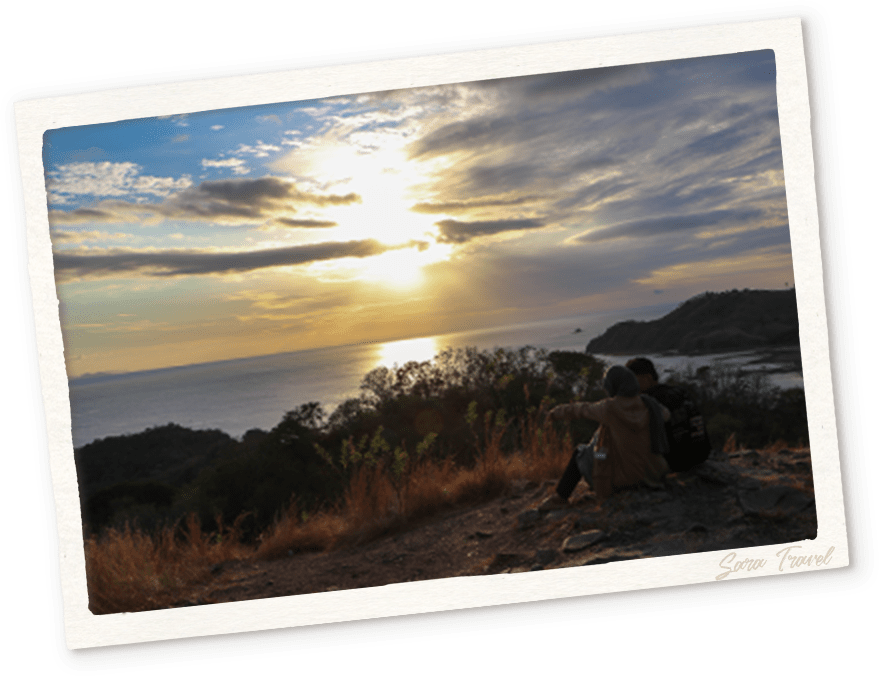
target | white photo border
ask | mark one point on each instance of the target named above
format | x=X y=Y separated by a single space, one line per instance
x=33 y=118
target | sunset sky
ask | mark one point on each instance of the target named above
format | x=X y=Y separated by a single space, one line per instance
x=391 y=215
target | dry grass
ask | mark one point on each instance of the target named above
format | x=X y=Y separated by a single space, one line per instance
x=128 y=570
x=376 y=503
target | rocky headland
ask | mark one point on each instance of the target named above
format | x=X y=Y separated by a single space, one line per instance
x=710 y=322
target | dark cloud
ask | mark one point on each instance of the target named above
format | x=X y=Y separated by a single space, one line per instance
x=532 y=279
x=304 y=223
x=233 y=200
x=768 y=161
x=469 y=205
x=458 y=232
x=594 y=192
x=651 y=227
x=503 y=177
x=588 y=163
x=725 y=142
x=556 y=84
x=171 y=263
x=245 y=198
x=80 y=216
x=463 y=135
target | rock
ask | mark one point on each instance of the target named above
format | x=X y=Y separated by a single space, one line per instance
x=697 y=528
x=585 y=521
x=749 y=483
x=545 y=556
x=217 y=568
x=521 y=485
x=536 y=567
x=528 y=518
x=482 y=534
x=579 y=542
x=612 y=558
x=717 y=473
x=502 y=563
x=774 y=499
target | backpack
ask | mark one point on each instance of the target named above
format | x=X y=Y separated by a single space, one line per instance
x=687 y=438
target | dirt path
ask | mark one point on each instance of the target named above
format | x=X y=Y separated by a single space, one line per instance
x=743 y=499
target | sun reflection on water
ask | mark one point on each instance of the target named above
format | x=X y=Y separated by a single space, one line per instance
x=400 y=352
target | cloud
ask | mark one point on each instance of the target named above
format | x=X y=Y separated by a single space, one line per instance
x=612 y=145
x=78 y=236
x=651 y=227
x=179 y=120
x=469 y=205
x=228 y=202
x=236 y=164
x=107 y=179
x=458 y=232
x=458 y=136
x=304 y=223
x=217 y=127
x=83 y=215
x=268 y=118
x=260 y=149
x=177 y=262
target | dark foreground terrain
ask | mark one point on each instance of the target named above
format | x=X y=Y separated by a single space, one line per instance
x=734 y=500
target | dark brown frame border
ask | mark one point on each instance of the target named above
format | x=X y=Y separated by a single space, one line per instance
x=847 y=391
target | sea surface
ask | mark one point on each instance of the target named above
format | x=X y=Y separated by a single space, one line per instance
x=242 y=394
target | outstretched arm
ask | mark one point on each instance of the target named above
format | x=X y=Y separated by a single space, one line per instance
x=581 y=409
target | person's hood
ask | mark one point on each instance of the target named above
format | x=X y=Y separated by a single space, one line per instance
x=620 y=382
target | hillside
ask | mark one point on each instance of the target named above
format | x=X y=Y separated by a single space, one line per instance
x=737 y=499
x=710 y=322
x=147 y=468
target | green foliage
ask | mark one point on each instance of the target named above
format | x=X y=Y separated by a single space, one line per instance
x=733 y=400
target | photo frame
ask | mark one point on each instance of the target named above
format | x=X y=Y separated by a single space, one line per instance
x=529 y=606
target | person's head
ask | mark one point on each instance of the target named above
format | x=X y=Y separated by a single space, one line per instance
x=645 y=371
x=620 y=382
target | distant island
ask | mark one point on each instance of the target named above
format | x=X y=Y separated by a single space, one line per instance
x=709 y=322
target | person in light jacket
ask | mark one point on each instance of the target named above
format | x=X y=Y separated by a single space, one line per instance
x=629 y=447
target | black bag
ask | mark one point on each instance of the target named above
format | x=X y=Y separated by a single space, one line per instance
x=687 y=438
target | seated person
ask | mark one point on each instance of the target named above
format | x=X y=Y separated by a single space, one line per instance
x=687 y=439
x=629 y=445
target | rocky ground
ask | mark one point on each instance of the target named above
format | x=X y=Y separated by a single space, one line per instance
x=734 y=500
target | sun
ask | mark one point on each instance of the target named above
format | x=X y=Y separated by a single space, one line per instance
x=376 y=168
x=402 y=268
x=383 y=179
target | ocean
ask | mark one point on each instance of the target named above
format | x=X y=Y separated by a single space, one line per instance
x=241 y=394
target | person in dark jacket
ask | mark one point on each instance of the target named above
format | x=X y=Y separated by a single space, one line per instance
x=688 y=440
